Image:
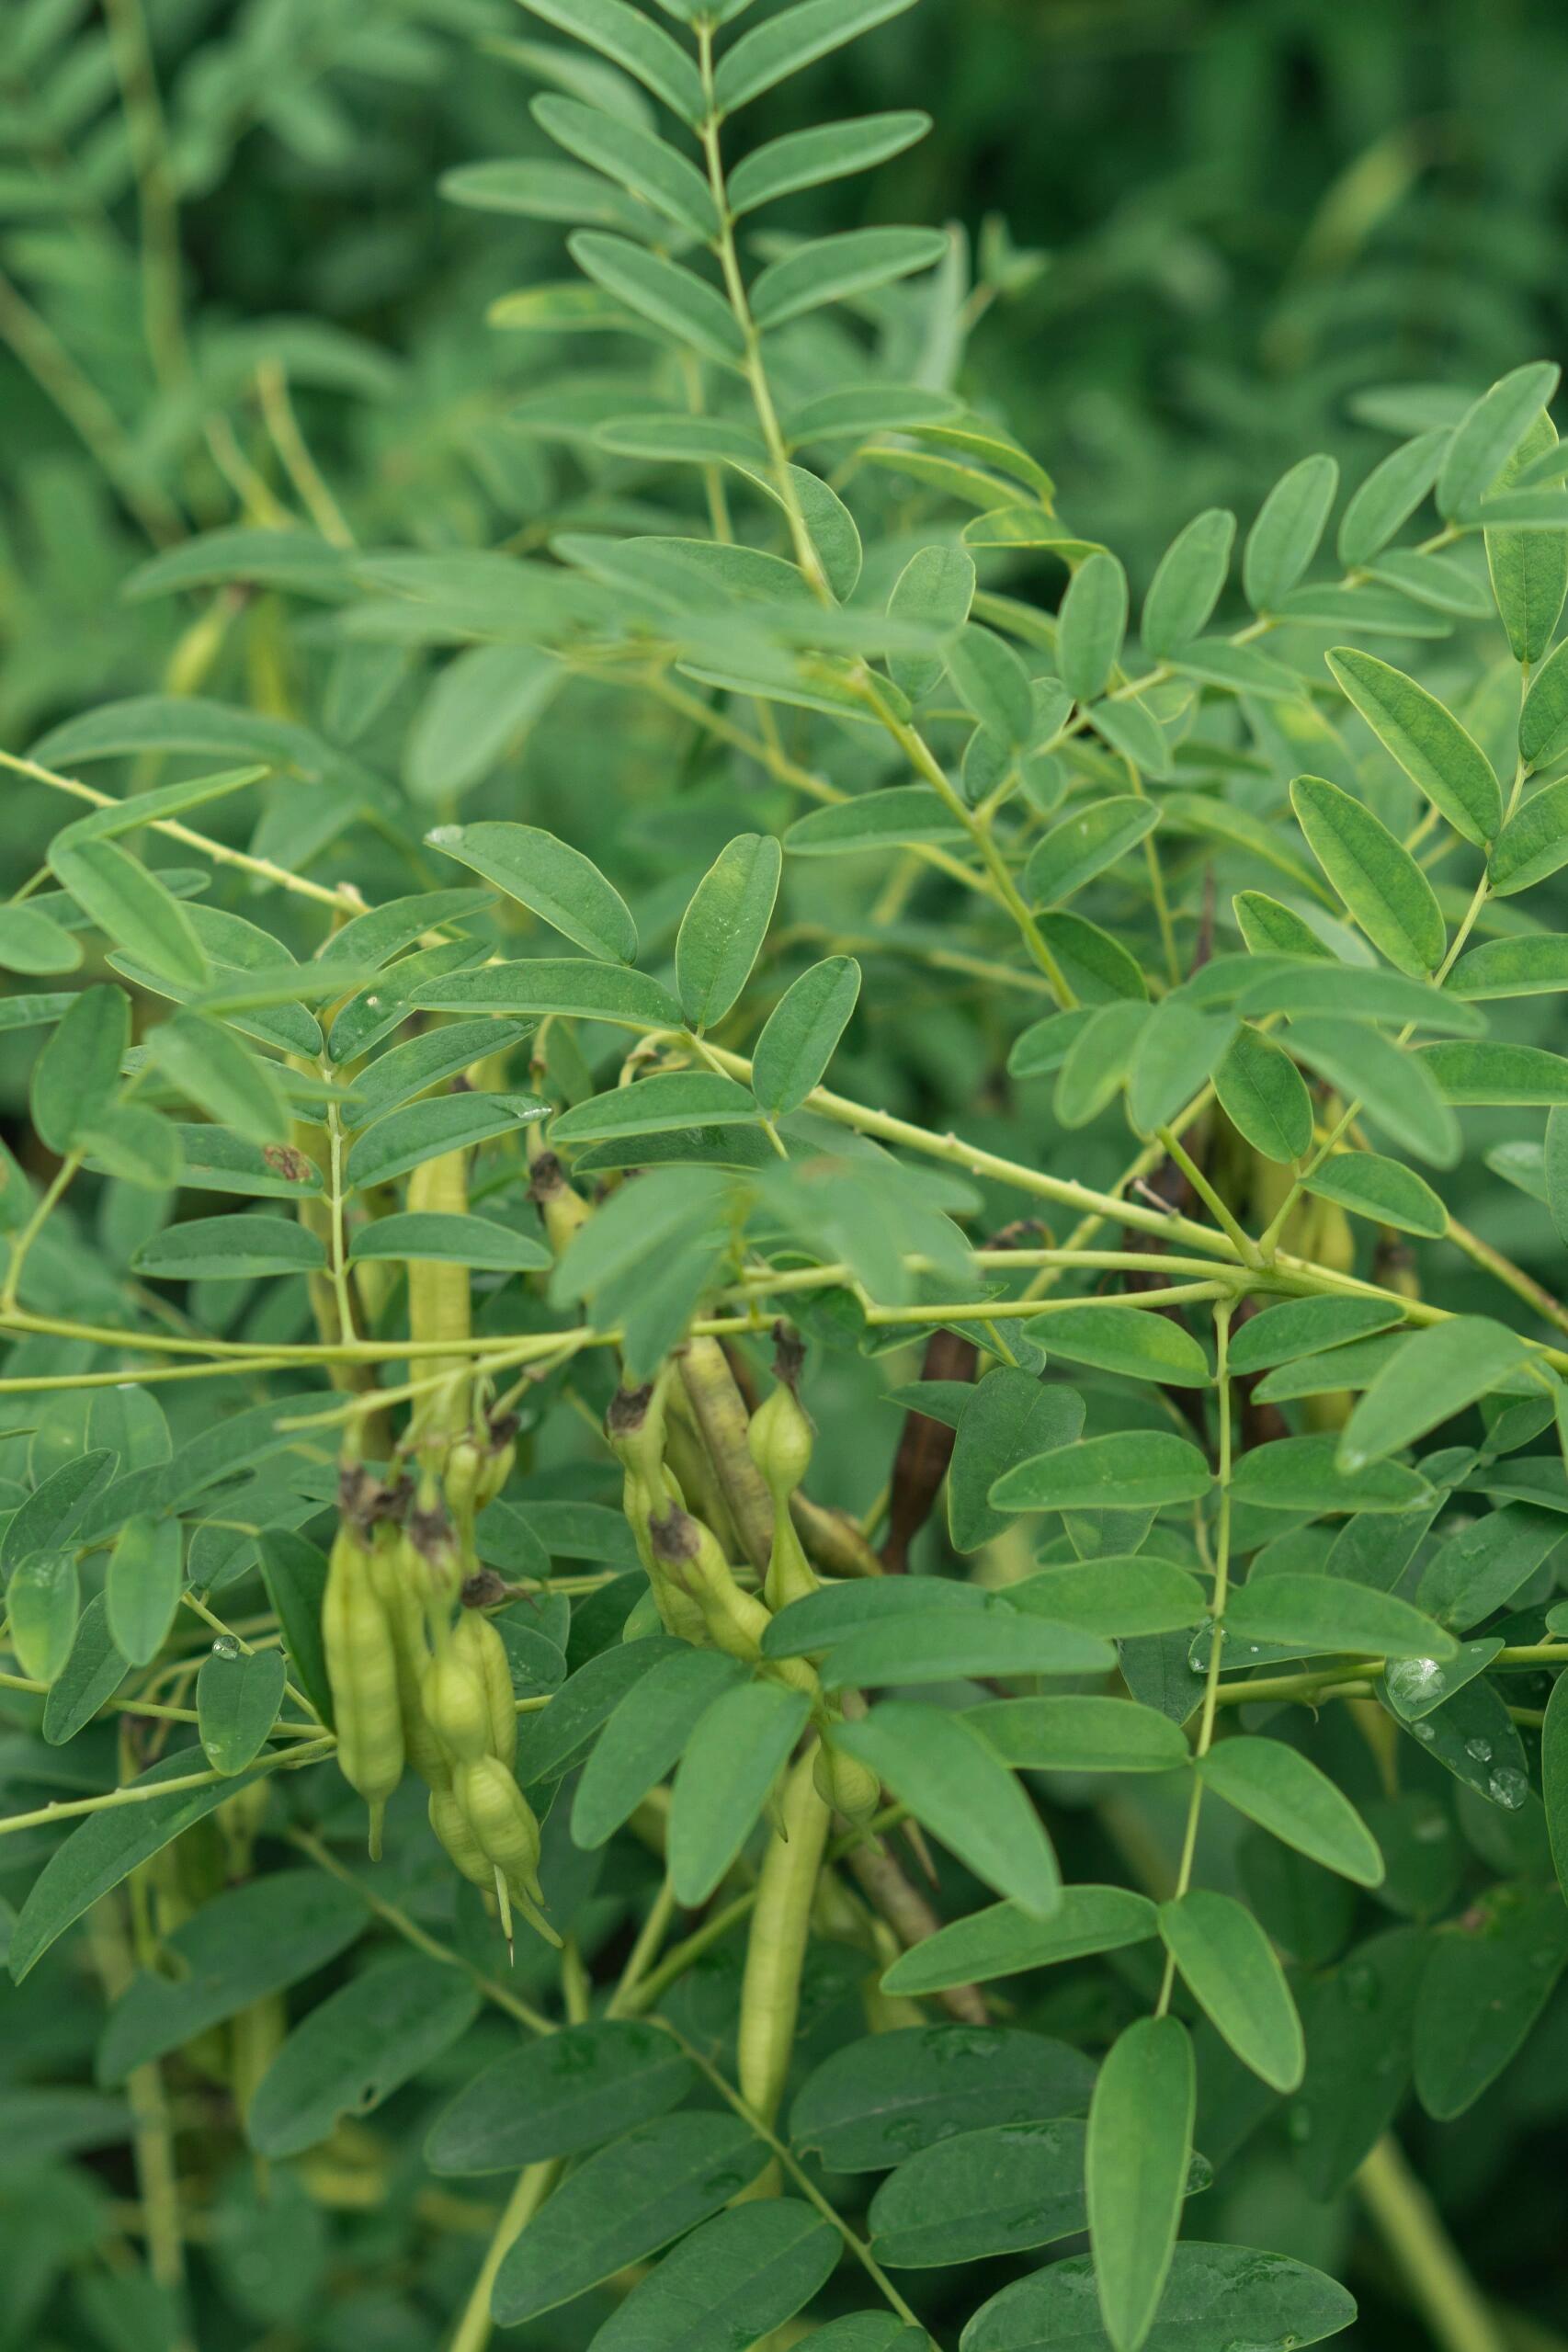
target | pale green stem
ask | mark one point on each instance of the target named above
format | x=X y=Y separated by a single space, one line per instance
x=1219 y=1596
x=1412 y=2228
x=72 y=1808
x=533 y=2187
x=159 y=210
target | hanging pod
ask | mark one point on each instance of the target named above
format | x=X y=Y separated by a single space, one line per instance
x=362 y=1668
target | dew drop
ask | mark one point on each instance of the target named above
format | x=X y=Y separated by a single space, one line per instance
x=1481 y=1750
x=1414 y=1679
x=226 y=1646
x=1508 y=1787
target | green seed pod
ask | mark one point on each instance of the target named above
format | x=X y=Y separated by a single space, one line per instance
x=635 y=1424
x=690 y=1555
x=450 y=1823
x=439 y=1302
x=461 y=1476
x=779 y=1437
x=502 y=1821
x=361 y=1666
x=776 y=1943
x=678 y=1611
x=847 y=1784
x=399 y=1576
x=791 y=1576
x=478 y=1646
x=500 y=1458
x=456 y=1708
x=564 y=1210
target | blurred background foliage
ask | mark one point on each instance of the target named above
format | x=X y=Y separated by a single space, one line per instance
x=1200 y=227
x=1203 y=234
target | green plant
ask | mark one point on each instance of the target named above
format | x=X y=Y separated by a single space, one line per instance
x=1244 y=1596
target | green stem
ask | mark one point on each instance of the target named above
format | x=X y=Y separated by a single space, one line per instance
x=342 y=895
x=72 y=1808
x=58 y=1187
x=39 y=348
x=158 y=206
x=1412 y=2228
x=922 y=760
x=752 y=368
x=152 y=2143
x=293 y=450
x=1217 y=1617
x=533 y=2187
x=1246 y=1248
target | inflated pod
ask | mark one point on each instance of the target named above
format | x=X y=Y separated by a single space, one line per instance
x=361 y=1666
x=502 y=1821
x=477 y=1646
x=399 y=1576
x=438 y=1298
x=450 y=1824
x=791 y=1576
x=565 y=1212
x=456 y=1706
x=690 y=1556
x=776 y=1943
x=461 y=1476
x=735 y=1621
x=847 y=1784
x=779 y=1438
x=500 y=1458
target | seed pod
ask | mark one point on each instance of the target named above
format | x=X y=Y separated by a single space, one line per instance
x=361 y=1666
x=678 y=1612
x=439 y=1302
x=692 y=1561
x=502 y=1821
x=435 y=1540
x=450 y=1824
x=779 y=1437
x=399 y=1576
x=477 y=1646
x=500 y=1458
x=635 y=1424
x=791 y=1576
x=845 y=1784
x=460 y=1477
x=563 y=1210
x=776 y=1944
x=456 y=1706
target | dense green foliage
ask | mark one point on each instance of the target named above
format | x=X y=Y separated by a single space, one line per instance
x=790 y=1163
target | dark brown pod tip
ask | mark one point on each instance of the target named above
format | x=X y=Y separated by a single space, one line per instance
x=485 y=1590
x=549 y=1178
x=628 y=1410
x=361 y=1497
x=789 y=1356
x=430 y=1531
x=675 y=1535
